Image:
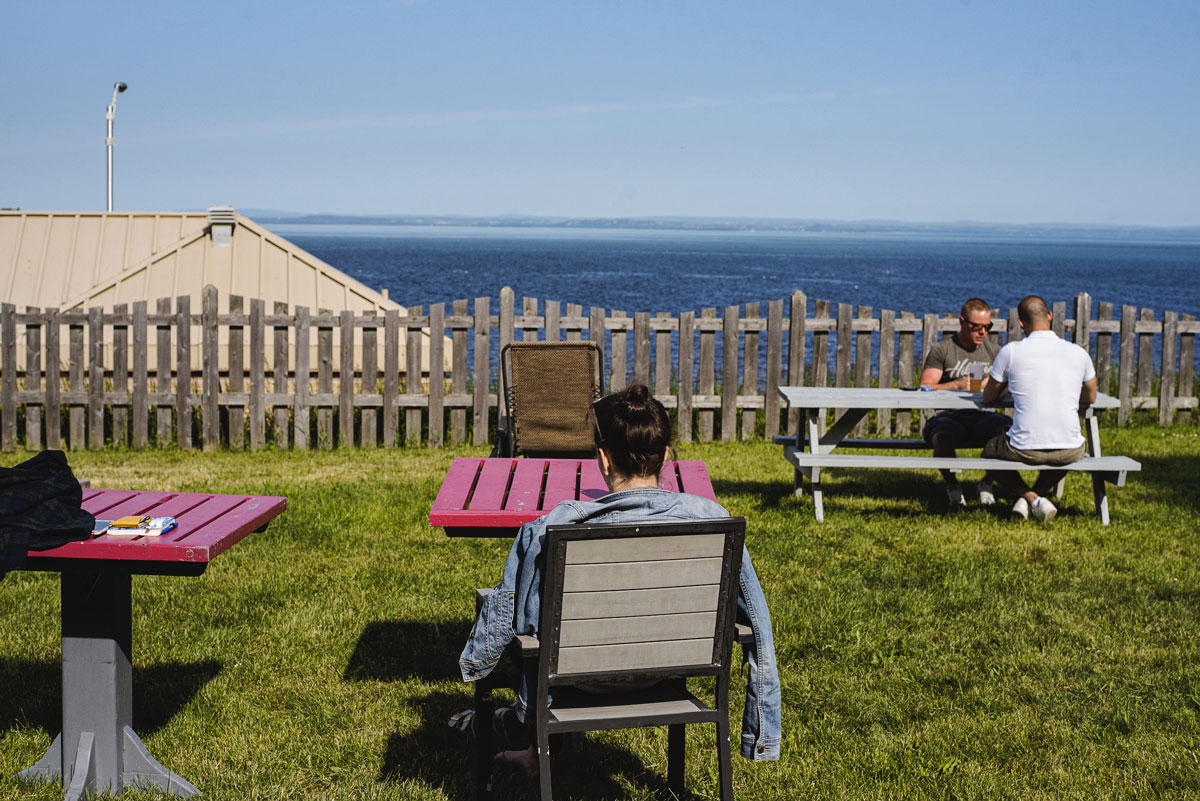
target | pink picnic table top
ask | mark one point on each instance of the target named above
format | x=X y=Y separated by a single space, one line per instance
x=494 y=497
x=208 y=525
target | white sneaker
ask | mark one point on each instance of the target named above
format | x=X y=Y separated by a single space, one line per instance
x=1043 y=510
x=986 y=496
x=1021 y=509
x=955 y=496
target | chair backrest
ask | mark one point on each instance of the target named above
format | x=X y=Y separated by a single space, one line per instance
x=549 y=387
x=633 y=601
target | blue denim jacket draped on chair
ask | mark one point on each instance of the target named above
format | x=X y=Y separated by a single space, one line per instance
x=513 y=607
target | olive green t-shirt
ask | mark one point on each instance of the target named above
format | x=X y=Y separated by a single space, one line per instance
x=955 y=361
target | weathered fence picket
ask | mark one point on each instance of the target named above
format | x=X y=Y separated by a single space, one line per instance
x=719 y=374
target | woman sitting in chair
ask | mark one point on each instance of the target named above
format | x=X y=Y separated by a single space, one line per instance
x=633 y=437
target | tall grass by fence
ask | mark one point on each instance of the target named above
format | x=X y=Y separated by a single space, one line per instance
x=254 y=384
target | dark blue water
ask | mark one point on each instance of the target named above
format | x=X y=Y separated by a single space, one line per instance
x=673 y=271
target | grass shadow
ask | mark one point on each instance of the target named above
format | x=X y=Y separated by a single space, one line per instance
x=1173 y=479
x=393 y=650
x=31 y=692
x=593 y=770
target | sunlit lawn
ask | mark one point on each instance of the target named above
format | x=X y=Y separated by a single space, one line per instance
x=922 y=656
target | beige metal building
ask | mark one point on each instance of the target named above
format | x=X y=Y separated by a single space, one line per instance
x=74 y=260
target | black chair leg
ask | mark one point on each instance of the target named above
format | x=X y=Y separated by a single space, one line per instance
x=676 y=737
x=483 y=743
x=725 y=765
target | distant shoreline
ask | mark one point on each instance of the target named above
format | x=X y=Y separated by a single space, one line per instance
x=747 y=225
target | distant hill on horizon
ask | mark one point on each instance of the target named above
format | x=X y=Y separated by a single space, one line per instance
x=747 y=224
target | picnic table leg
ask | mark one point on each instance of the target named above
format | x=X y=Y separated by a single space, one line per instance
x=97 y=749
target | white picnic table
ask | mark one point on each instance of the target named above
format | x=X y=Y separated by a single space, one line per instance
x=810 y=450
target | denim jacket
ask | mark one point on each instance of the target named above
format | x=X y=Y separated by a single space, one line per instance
x=513 y=607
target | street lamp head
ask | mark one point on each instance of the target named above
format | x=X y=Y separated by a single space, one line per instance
x=120 y=87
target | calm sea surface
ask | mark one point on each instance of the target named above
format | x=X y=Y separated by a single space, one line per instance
x=673 y=271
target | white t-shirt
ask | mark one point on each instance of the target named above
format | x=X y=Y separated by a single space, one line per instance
x=1045 y=375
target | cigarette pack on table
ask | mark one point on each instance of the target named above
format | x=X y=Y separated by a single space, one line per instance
x=135 y=526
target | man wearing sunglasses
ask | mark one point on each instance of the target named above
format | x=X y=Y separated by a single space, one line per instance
x=949 y=365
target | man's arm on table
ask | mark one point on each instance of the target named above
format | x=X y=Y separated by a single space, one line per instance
x=994 y=390
x=1087 y=393
x=930 y=377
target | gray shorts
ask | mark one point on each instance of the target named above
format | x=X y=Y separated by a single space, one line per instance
x=998 y=447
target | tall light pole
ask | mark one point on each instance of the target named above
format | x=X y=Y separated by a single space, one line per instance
x=118 y=87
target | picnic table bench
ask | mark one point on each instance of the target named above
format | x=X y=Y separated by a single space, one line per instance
x=810 y=450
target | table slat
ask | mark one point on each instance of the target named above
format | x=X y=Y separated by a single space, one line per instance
x=457 y=486
x=693 y=476
x=492 y=484
x=562 y=479
x=526 y=486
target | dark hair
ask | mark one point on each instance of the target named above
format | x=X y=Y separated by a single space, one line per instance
x=634 y=429
x=1032 y=308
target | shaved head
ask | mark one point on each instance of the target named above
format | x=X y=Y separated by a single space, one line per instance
x=1032 y=311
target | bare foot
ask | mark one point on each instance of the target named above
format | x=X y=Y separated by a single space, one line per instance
x=525 y=759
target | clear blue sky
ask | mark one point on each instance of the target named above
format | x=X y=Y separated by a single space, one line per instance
x=934 y=111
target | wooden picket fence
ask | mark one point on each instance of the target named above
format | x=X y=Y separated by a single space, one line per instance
x=351 y=396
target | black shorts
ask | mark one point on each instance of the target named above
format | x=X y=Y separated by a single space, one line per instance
x=969 y=428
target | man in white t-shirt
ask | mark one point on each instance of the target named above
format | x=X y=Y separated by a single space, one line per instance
x=1048 y=379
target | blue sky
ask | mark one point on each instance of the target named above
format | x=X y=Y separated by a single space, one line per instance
x=921 y=111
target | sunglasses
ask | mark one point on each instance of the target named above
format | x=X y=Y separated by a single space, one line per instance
x=976 y=326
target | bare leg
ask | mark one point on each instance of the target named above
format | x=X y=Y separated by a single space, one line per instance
x=944 y=445
x=1013 y=482
x=526 y=759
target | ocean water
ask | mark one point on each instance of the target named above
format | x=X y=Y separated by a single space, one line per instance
x=673 y=271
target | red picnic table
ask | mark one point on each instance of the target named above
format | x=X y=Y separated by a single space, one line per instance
x=97 y=749
x=494 y=497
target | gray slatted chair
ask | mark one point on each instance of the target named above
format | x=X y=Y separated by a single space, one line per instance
x=549 y=388
x=629 y=604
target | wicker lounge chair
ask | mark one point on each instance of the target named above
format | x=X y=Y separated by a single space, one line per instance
x=549 y=388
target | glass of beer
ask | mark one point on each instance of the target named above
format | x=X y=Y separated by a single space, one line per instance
x=976 y=377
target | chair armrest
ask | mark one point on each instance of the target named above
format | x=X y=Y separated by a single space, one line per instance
x=743 y=634
x=527 y=645
x=481 y=595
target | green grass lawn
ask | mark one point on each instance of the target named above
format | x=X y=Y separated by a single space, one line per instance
x=922 y=656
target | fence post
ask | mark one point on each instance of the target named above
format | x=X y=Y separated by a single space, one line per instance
x=1187 y=367
x=183 y=371
x=1166 y=387
x=324 y=378
x=1083 y=321
x=617 y=373
x=596 y=335
x=76 y=361
x=1125 y=366
x=458 y=374
x=887 y=357
x=369 y=429
x=33 y=380
x=553 y=315
x=1145 y=356
x=120 y=374
x=1104 y=341
x=437 y=374
x=505 y=334
x=162 y=374
x=141 y=378
x=683 y=415
x=796 y=347
x=662 y=358
x=258 y=373
x=482 y=372
x=771 y=400
x=95 y=378
x=346 y=381
x=210 y=370
x=53 y=381
x=905 y=372
x=641 y=348
x=280 y=384
x=8 y=377
x=303 y=376
x=236 y=415
x=729 y=373
x=412 y=375
x=862 y=362
x=708 y=368
x=750 y=370
x=391 y=376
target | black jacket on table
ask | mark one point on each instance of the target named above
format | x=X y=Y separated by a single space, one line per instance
x=39 y=508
